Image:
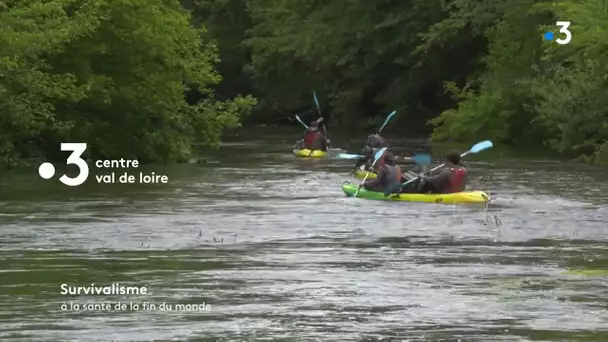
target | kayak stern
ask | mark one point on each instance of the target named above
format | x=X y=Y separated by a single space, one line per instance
x=360 y=174
x=306 y=153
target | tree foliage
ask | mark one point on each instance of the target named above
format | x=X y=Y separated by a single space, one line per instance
x=357 y=53
x=140 y=79
x=482 y=65
x=534 y=90
x=110 y=73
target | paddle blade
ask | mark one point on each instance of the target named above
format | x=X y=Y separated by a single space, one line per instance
x=314 y=96
x=388 y=118
x=348 y=156
x=422 y=159
x=484 y=145
x=379 y=154
x=300 y=121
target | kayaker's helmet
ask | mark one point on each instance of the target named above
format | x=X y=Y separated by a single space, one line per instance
x=453 y=157
x=314 y=124
x=372 y=138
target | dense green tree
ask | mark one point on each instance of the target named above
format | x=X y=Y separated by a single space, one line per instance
x=357 y=53
x=110 y=73
x=571 y=100
x=115 y=73
x=534 y=90
x=495 y=103
x=227 y=23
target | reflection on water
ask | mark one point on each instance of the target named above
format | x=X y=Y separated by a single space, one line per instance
x=270 y=243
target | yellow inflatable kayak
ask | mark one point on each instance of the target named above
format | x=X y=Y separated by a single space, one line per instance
x=360 y=174
x=455 y=198
x=306 y=153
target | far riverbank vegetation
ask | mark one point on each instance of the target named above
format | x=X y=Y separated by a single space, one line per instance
x=150 y=79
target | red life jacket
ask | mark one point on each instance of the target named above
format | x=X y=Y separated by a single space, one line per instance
x=457 y=179
x=310 y=137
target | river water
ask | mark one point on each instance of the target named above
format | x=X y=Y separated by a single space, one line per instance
x=269 y=248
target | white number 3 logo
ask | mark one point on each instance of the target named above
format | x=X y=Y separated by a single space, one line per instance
x=75 y=158
x=564 y=29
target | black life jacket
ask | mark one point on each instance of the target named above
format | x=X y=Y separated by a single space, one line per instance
x=393 y=177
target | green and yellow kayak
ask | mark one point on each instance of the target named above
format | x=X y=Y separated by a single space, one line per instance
x=360 y=174
x=306 y=153
x=455 y=198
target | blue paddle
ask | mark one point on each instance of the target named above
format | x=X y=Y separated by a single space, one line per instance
x=318 y=109
x=353 y=156
x=349 y=156
x=314 y=96
x=319 y=120
x=388 y=118
x=300 y=121
x=376 y=158
x=480 y=146
x=421 y=158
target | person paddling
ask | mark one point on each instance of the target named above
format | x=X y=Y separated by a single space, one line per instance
x=374 y=143
x=453 y=178
x=389 y=174
x=314 y=139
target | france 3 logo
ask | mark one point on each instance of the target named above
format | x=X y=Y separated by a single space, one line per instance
x=47 y=170
x=563 y=29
